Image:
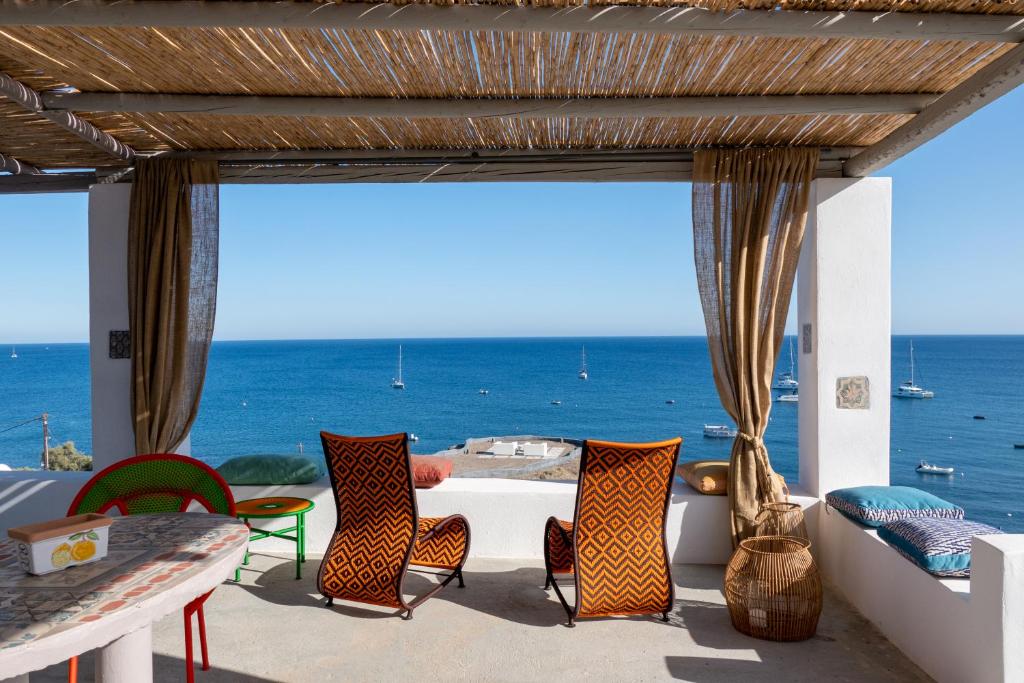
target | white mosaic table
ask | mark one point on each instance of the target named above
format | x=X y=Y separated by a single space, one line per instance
x=156 y=564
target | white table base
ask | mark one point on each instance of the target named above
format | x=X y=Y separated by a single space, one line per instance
x=129 y=659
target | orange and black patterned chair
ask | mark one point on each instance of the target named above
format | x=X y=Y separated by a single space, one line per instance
x=379 y=532
x=615 y=548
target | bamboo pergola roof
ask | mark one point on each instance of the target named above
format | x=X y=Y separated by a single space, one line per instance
x=545 y=89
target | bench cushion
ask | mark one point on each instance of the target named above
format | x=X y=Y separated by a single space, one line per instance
x=878 y=505
x=939 y=546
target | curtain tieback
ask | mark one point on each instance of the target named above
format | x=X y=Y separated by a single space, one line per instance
x=755 y=441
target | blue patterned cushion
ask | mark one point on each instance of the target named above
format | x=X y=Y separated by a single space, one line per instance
x=939 y=546
x=878 y=505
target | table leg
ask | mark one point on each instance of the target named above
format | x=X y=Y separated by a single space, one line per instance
x=298 y=546
x=129 y=659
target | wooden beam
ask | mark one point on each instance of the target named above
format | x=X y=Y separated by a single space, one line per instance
x=533 y=171
x=456 y=108
x=46 y=182
x=583 y=19
x=441 y=156
x=989 y=83
x=12 y=165
x=483 y=171
x=29 y=99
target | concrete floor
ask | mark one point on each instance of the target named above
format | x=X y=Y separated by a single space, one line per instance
x=502 y=627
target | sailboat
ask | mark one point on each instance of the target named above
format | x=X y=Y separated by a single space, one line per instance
x=14 y=354
x=787 y=380
x=908 y=389
x=397 y=383
x=583 y=365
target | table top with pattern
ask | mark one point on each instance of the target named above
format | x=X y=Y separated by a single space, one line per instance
x=155 y=564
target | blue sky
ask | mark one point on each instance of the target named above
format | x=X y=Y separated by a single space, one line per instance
x=357 y=261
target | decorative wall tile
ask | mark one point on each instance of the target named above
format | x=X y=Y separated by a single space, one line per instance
x=853 y=393
x=120 y=344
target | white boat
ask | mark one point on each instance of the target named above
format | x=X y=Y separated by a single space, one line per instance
x=484 y=392
x=787 y=380
x=925 y=468
x=909 y=389
x=14 y=354
x=413 y=438
x=396 y=382
x=556 y=403
x=583 y=365
x=719 y=432
x=788 y=398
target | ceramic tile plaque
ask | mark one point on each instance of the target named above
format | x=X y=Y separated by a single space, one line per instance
x=853 y=393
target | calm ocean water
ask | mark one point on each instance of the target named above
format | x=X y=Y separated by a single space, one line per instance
x=268 y=397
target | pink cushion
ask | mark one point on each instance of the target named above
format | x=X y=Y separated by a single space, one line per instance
x=428 y=471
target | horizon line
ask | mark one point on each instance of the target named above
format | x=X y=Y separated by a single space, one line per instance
x=520 y=337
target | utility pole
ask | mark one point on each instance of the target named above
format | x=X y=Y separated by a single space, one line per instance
x=46 y=441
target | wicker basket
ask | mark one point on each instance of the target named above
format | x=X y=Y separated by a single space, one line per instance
x=781 y=519
x=773 y=588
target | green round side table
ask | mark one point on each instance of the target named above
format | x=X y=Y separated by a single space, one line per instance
x=276 y=508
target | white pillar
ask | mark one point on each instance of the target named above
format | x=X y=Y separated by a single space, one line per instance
x=844 y=321
x=129 y=659
x=112 y=432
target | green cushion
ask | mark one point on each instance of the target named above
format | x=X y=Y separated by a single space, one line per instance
x=263 y=470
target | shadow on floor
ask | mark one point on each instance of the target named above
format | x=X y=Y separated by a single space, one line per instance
x=165 y=670
x=517 y=596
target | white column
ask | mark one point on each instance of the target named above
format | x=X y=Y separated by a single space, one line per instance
x=129 y=659
x=844 y=321
x=112 y=432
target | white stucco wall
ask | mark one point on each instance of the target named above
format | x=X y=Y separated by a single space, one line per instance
x=506 y=516
x=112 y=431
x=844 y=294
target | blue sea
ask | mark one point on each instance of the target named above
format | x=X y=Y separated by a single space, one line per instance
x=275 y=397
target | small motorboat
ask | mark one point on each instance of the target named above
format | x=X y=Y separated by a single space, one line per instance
x=925 y=468
x=719 y=432
x=484 y=392
x=670 y=402
x=413 y=438
x=1019 y=446
x=979 y=417
x=556 y=403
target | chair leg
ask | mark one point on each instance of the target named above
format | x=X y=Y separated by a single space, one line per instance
x=547 y=582
x=408 y=615
x=202 y=639
x=330 y=601
x=190 y=675
x=664 y=617
x=462 y=583
x=73 y=670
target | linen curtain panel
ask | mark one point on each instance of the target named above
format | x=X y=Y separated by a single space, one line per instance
x=749 y=213
x=173 y=238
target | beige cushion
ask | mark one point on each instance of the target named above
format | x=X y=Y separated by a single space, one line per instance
x=711 y=477
x=707 y=476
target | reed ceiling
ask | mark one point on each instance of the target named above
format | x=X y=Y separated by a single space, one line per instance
x=474 y=64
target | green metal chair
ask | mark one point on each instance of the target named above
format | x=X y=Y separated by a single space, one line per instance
x=150 y=484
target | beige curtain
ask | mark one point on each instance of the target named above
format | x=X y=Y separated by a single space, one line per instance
x=173 y=237
x=749 y=212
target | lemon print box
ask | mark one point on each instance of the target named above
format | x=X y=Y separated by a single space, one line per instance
x=50 y=546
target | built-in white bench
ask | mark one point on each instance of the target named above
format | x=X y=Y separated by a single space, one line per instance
x=957 y=630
